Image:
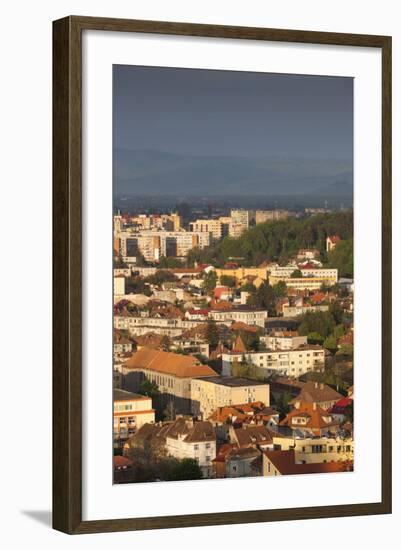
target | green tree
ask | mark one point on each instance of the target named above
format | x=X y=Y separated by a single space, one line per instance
x=248 y=287
x=243 y=369
x=187 y=468
x=169 y=262
x=296 y=274
x=148 y=388
x=338 y=331
x=165 y=343
x=330 y=343
x=212 y=333
x=278 y=240
x=282 y=403
x=161 y=276
x=280 y=289
x=315 y=338
x=342 y=258
x=346 y=350
x=209 y=281
x=321 y=322
x=227 y=280
x=263 y=297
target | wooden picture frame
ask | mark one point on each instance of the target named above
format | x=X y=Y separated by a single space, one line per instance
x=67 y=273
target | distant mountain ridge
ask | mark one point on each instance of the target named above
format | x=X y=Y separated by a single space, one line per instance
x=157 y=172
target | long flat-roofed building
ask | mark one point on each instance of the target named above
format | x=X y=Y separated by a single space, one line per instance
x=209 y=393
x=294 y=363
x=245 y=314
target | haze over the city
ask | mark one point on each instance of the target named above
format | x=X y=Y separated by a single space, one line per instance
x=191 y=132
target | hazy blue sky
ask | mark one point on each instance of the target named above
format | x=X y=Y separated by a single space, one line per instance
x=204 y=112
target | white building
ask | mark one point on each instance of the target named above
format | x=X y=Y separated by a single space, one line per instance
x=284 y=340
x=210 y=226
x=292 y=363
x=187 y=438
x=245 y=314
x=293 y=311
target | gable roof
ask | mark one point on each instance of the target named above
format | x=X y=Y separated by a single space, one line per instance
x=314 y=415
x=284 y=462
x=239 y=346
x=182 y=366
x=316 y=392
x=253 y=435
x=192 y=432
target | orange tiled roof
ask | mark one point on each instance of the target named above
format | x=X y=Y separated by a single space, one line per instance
x=182 y=366
x=314 y=415
x=239 y=346
x=239 y=325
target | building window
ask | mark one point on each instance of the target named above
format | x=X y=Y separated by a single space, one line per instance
x=196 y=447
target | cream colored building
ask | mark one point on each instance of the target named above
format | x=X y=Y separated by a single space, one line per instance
x=283 y=340
x=262 y=216
x=209 y=393
x=119 y=285
x=304 y=283
x=291 y=363
x=117 y=224
x=284 y=272
x=245 y=314
x=131 y=411
x=210 y=226
x=312 y=278
x=138 y=325
x=314 y=450
x=293 y=311
x=153 y=244
x=241 y=273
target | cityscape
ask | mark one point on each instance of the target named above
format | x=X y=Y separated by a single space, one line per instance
x=233 y=301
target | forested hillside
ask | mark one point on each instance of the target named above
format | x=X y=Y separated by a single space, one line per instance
x=279 y=241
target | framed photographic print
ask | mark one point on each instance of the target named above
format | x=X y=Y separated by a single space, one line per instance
x=222 y=275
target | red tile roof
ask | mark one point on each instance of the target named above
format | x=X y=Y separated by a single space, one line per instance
x=284 y=462
x=121 y=462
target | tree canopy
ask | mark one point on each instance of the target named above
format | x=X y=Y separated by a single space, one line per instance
x=280 y=240
x=342 y=258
